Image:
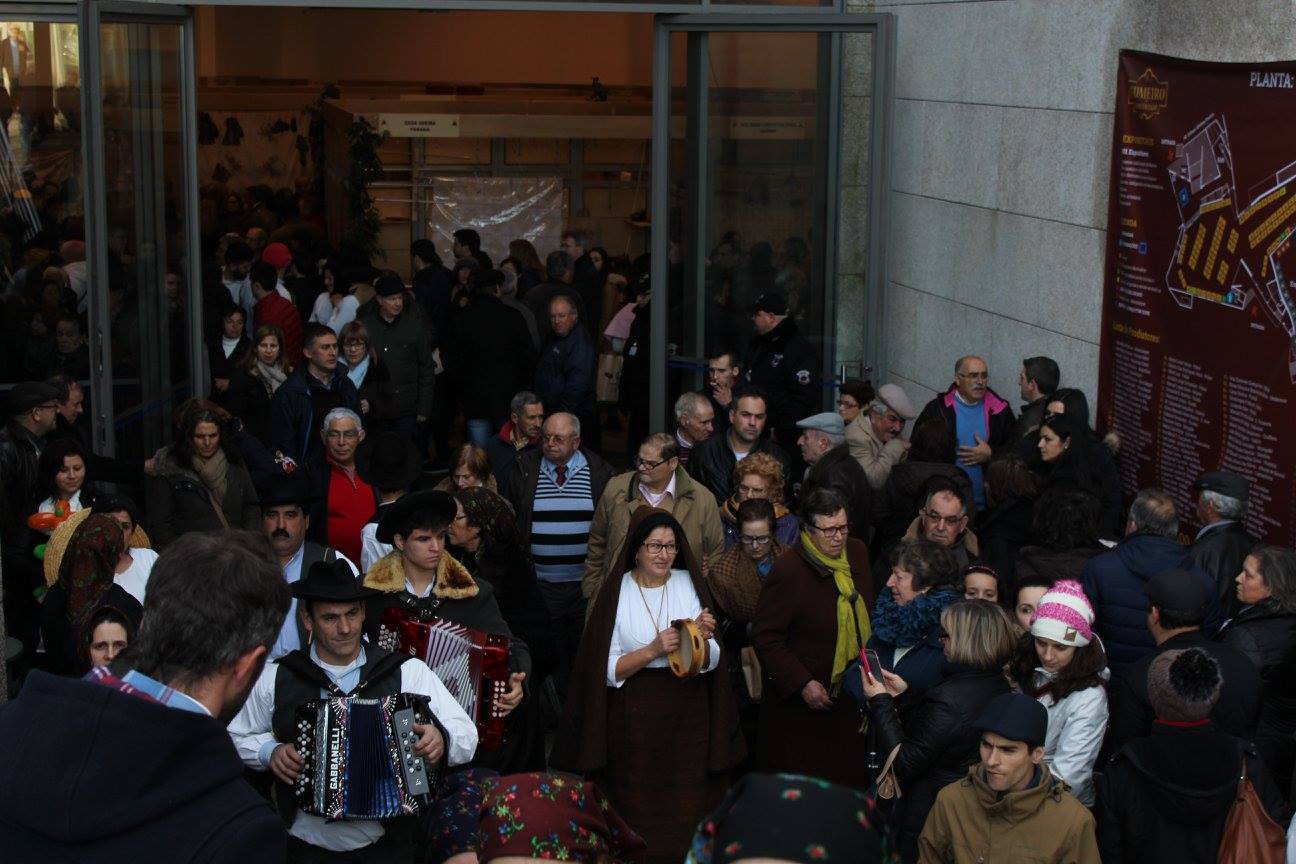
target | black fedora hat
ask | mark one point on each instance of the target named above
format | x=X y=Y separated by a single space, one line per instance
x=294 y=488
x=388 y=461
x=332 y=582
x=440 y=503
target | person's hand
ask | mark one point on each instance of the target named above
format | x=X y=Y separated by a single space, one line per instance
x=286 y=764
x=422 y=418
x=510 y=700
x=430 y=745
x=706 y=567
x=150 y=467
x=221 y=384
x=722 y=392
x=905 y=443
x=816 y=696
x=895 y=685
x=706 y=623
x=364 y=406
x=667 y=641
x=978 y=455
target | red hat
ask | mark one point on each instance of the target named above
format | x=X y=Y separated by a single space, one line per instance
x=554 y=816
x=277 y=255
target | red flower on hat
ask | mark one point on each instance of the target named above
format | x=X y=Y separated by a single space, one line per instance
x=816 y=852
x=791 y=795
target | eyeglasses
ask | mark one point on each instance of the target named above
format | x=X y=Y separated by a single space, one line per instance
x=345 y=434
x=354 y=343
x=847 y=403
x=831 y=530
x=555 y=439
x=943 y=520
x=655 y=548
x=649 y=465
x=975 y=376
x=748 y=540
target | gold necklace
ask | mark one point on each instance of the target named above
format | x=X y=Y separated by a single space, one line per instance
x=657 y=627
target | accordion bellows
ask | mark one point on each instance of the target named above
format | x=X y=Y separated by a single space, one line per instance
x=359 y=757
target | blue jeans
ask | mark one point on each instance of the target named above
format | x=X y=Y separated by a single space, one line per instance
x=479 y=431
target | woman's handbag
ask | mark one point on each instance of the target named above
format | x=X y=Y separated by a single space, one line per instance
x=607 y=386
x=1251 y=836
x=888 y=787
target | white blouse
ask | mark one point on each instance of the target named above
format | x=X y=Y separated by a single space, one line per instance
x=636 y=628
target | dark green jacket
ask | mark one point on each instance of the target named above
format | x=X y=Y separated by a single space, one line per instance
x=406 y=350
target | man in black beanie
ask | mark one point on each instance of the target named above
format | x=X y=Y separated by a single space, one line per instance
x=1165 y=797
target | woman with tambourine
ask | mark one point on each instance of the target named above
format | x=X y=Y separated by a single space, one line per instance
x=646 y=718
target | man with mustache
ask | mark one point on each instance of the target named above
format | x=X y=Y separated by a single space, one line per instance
x=285 y=519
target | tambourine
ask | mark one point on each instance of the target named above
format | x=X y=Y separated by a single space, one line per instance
x=688 y=659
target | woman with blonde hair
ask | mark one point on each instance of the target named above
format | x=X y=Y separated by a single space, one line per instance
x=760 y=475
x=469 y=469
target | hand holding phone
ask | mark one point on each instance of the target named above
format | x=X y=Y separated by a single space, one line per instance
x=872 y=665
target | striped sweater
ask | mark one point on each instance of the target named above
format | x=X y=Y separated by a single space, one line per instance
x=560 y=526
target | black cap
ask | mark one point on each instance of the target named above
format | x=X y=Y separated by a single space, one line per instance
x=773 y=302
x=1178 y=591
x=387 y=286
x=332 y=582
x=440 y=503
x=28 y=395
x=1225 y=483
x=237 y=252
x=388 y=461
x=1016 y=717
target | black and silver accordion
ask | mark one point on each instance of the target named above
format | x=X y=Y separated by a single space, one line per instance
x=359 y=756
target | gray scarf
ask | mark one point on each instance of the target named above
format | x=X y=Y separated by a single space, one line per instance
x=271 y=376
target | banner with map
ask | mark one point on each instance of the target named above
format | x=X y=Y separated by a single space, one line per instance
x=1198 y=358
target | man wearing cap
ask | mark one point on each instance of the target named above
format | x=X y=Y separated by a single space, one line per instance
x=314 y=388
x=1010 y=807
x=1166 y=797
x=824 y=449
x=390 y=464
x=784 y=363
x=32 y=411
x=274 y=306
x=331 y=609
x=398 y=333
x=285 y=519
x=1178 y=602
x=874 y=436
x=1223 y=543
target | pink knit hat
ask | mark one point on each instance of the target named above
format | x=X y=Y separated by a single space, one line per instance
x=1064 y=615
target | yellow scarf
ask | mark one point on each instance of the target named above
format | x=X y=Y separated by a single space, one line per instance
x=852 y=614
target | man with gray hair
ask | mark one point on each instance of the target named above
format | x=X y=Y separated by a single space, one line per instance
x=874 y=436
x=831 y=466
x=1223 y=543
x=1116 y=581
x=694 y=423
x=347 y=500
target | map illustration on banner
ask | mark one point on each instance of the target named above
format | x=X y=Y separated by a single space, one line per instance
x=1198 y=358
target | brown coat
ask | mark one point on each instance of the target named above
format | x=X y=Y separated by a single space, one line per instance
x=795 y=635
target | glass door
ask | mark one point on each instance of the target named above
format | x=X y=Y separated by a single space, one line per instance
x=774 y=183
x=143 y=198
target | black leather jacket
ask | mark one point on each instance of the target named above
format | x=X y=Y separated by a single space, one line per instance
x=1220 y=552
x=19 y=458
x=712 y=463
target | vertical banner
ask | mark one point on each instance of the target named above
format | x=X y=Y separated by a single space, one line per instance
x=1198 y=359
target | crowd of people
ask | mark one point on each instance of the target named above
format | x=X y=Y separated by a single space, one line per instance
x=770 y=633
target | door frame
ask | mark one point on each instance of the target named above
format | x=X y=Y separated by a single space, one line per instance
x=835 y=24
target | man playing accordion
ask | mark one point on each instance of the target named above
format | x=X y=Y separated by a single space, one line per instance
x=266 y=731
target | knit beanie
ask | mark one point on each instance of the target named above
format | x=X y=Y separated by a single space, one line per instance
x=1184 y=685
x=1064 y=615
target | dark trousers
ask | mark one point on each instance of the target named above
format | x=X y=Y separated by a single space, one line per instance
x=567 y=609
x=394 y=847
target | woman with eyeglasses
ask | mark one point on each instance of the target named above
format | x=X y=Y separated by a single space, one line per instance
x=759 y=476
x=200 y=483
x=852 y=397
x=660 y=746
x=811 y=621
x=369 y=374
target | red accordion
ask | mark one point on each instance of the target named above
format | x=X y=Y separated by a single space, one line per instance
x=473 y=666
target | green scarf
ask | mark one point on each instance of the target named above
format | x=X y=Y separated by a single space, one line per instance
x=852 y=614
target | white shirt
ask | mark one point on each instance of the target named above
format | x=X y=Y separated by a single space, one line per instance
x=228 y=345
x=344 y=313
x=370 y=549
x=74 y=503
x=134 y=579
x=251 y=730
x=323 y=308
x=655 y=499
x=636 y=628
x=288 y=639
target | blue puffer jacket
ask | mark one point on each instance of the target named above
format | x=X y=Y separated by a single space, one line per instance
x=1115 y=582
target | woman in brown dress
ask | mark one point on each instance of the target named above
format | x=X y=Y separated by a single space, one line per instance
x=660 y=746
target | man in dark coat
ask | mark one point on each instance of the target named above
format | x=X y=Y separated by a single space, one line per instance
x=1037 y=381
x=314 y=388
x=565 y=375
x=399 y=335
x=784 y=363
x=431 y=286
x=519 y=435
x=713 y=461
x=824 y=448
x=558 y=269
x=1223 y=543
x=981 y=422
x=1178 y=606
x=1115 y=581
x=138 y=767
x=487 y=352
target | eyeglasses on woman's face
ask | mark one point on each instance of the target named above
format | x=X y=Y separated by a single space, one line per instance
x=831 y=530
x=755 y=541
x=655 y=548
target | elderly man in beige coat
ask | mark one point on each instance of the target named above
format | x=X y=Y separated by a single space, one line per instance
x=658 y=481
x=874 y=436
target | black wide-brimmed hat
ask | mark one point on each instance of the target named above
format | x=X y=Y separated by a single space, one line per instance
x=388 y=461
x=440 y=503
x=294 y=488
x=332 y=582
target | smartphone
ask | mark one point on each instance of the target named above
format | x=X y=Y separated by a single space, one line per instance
x=869 y=658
